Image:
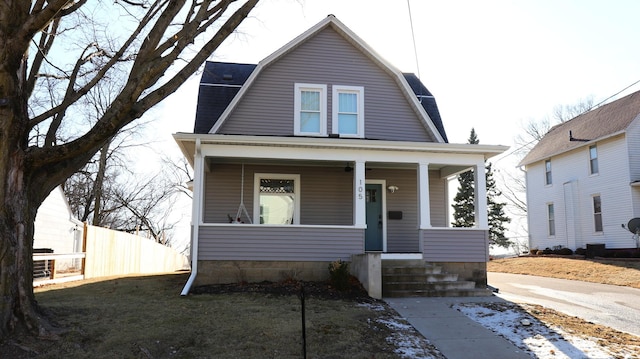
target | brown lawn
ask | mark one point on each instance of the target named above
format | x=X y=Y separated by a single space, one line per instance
x=616 y=272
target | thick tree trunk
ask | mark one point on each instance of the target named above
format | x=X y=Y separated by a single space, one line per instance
x=18 y=306
x=18 y=200
x=17 y=210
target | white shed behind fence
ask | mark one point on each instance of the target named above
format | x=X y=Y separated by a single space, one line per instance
x=55 y=226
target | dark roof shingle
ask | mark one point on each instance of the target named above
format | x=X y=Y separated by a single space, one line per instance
x=219 y=84
x=598 y=123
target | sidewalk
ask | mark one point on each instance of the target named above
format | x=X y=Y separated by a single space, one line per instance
x=455 y=335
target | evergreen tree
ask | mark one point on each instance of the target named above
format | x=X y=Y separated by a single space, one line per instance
x=464 y=208
x=497 y=217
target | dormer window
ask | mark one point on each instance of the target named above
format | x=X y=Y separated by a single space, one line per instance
x=348 y=111
x=310 y=110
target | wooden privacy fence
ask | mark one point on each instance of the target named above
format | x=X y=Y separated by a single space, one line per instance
x=107 y=253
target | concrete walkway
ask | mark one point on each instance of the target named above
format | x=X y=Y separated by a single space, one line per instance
x=453 y=333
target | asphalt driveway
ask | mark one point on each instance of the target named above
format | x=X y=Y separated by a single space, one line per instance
x=613 y=306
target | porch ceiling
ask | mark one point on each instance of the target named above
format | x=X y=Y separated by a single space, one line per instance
x=446 y=170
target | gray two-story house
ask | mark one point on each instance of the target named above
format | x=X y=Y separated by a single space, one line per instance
x=325 y=151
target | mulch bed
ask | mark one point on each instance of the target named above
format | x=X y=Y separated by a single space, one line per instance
x=323 y=290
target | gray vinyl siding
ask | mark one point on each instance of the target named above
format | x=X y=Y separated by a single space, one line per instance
x=455 y=245
x=264 y=243
x=438 y=199
x=327 y=58
x=326 y=193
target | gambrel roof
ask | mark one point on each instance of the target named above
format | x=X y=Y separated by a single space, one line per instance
x=597 y=124
x=224 y=84
x=221 y=81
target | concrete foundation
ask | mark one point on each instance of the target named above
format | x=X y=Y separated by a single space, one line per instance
x=368 y=269
x=220 y=272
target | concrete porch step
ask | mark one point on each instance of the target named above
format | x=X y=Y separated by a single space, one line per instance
x=422 y=277
x=457 y=285
x=411 y=270
x=417 y=278
x=476 y=292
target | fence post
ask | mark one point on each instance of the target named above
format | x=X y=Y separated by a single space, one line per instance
x=84 y=248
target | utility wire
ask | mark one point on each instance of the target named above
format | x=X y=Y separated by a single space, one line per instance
x=615 y=94
x=415 y=49
x=594 y=107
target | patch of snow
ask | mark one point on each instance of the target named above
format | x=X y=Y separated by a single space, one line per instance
x=372 y=306
x=408 y=342
x=536 y=338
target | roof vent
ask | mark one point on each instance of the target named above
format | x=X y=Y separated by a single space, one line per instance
x=227 y=77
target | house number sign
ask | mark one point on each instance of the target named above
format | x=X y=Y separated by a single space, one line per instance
x=360 y=190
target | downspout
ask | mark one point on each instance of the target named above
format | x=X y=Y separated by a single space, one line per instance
x=195 y=219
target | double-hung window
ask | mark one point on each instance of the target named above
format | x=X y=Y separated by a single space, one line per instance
x=551 y=220
x=348 y=111
x=597 y=213
x=310 y=110
x=547 y=173
x=276 y=198
x=593 y=160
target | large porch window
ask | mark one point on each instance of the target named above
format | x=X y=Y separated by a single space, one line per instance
x=276 y=199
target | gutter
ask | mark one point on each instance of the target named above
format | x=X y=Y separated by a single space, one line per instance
x=197 y=194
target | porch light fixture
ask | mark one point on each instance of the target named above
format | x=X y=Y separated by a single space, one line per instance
x=393 y=189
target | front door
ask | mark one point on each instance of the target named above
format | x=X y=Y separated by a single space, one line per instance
x=373 y=233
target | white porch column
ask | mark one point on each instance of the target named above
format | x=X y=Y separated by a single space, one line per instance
x=359 y=204
x=480 y=193
x=424 y=210
x=198 y=187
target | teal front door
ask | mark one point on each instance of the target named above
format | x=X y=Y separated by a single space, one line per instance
x=373 y=233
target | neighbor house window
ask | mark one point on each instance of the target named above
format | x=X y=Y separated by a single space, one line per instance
x=551 y=219
x=593 y=159
x=276 y=199
x=310 y=110
x=348 y=111
x=597 y=213
x=547 y=172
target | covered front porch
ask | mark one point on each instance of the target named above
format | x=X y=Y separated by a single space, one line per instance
x=299 y=200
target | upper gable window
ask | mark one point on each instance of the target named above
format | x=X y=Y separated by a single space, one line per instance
x=593 y=160
x=348 y=111
x=310 y=110
x=547 y=172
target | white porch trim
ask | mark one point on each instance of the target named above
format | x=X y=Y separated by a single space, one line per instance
x=384 y=210
x=359 y=204
x=424 y=210
x=480 y=192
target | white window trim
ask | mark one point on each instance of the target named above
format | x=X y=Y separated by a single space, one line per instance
x=591 y=173
x=256 y=194
x=593 y=213
x=549 y=220
x=298 y=88
x=550 y=172
x=334 y=106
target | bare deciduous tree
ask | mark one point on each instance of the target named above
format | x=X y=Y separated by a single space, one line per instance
x=75 y=46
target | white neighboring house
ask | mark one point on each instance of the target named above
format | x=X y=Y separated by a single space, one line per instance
x=583 y=179
x=55 y=226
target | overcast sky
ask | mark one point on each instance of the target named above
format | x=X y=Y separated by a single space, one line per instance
x=491 y=64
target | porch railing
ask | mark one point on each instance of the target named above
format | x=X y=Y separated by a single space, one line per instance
x=55 y=268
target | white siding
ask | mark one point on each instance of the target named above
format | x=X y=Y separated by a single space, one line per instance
x=611 y=183
x=633 y=150
x=55 y=227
